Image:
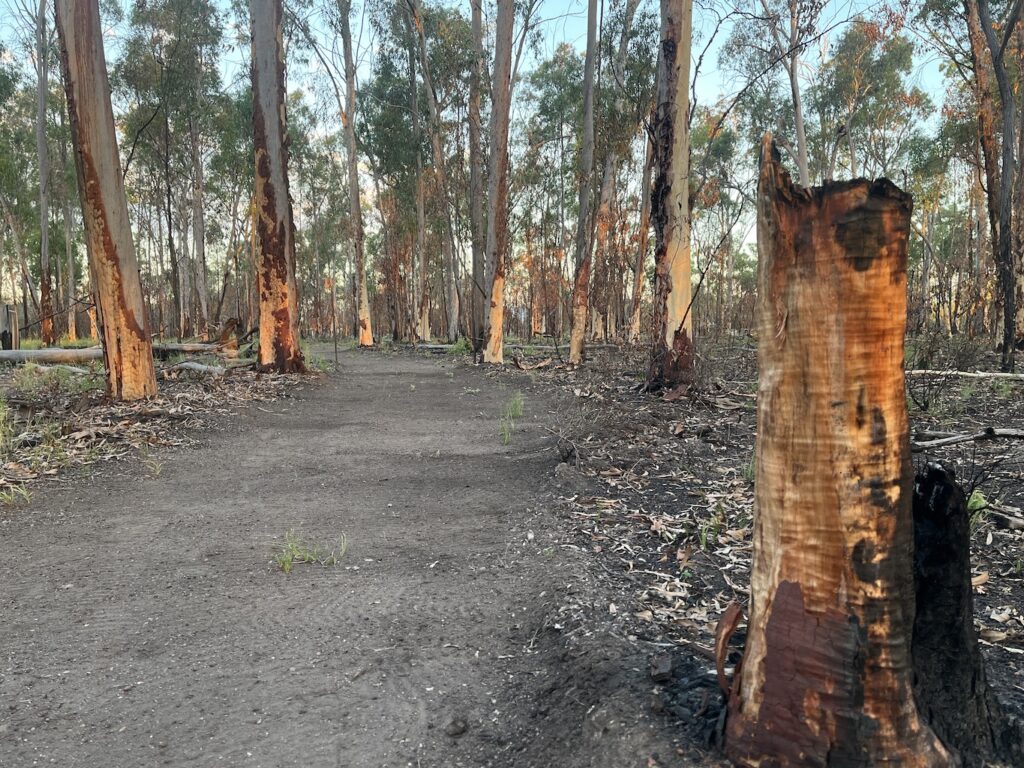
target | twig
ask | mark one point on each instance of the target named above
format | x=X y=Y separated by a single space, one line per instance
x=989 y=433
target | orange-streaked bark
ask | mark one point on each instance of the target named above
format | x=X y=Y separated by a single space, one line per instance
x=672 y=355
x=497 y=188
x=826 y=674
x=273 y=230
x=127 y=350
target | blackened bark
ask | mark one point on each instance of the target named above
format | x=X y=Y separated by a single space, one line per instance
x=950 y=685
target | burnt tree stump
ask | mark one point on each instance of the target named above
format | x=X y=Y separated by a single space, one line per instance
x=949 y=673
x=826 y=675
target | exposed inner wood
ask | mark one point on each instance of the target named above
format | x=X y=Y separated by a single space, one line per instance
x=826 y=672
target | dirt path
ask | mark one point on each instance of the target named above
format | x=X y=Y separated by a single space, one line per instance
x=141 y=622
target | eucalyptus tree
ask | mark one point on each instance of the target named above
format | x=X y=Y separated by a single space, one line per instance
x=497 y=181
x=672 y=354
x=476 y=183
x=349 y=122
x=440 y=169
x=989 y=38
x=127 y=349
x=584 y=246
x=274 y=229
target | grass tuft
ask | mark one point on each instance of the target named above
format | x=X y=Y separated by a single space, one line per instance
x=296 y=550
x=512 y=410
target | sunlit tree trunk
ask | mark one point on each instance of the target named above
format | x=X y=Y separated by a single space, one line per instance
x=584 y=247
x=826 y=674
x=127 y=350
x=478 y=291
x=273 y=227
x=497 y=182
x=672 y=355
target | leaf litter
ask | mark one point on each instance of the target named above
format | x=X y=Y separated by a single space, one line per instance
x=666 y=495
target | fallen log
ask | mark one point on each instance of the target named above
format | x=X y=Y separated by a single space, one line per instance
x=54 y=355
x=989 y=433
x=969 y=374
x=213 y=370
x=61 y=367
x=530 y=366
x=51 y=355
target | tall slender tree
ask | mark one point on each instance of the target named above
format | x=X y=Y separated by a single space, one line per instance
x=584 y=245
x=127 y=350
x=497 y=182
x=355 y=205
x=479 y=290
x=42 y=54
x=273 y=229
x=441 y=174
x=672 y=355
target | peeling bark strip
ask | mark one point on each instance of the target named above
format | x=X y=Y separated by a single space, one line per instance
x=826 y=673
x=274 y=232
x=672 y=356
x=127 y=349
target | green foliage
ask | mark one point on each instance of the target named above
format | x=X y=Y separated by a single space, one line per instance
x=461 y=347
x=710 y=528
x=13 y=495
x=510 y=412
x=295 y=550
x=79 y=343
x=31 y=379
x=977 y=508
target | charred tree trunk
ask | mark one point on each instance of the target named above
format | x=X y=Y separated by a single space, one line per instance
x=584 y=246
x=826 y=677
x=355 y=205
x=672 y=355
x=127 y=350
x=949 y=673
x=497 y=182
x=273 y=227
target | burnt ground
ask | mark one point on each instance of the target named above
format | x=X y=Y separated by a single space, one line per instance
x=659 y=488
x=467 y=623
x=549 y=601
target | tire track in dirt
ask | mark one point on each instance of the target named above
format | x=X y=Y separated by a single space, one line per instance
x=143 y=624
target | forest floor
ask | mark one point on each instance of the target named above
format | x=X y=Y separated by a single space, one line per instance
x=534 y=563
x=660 y=488
x=146 y=622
